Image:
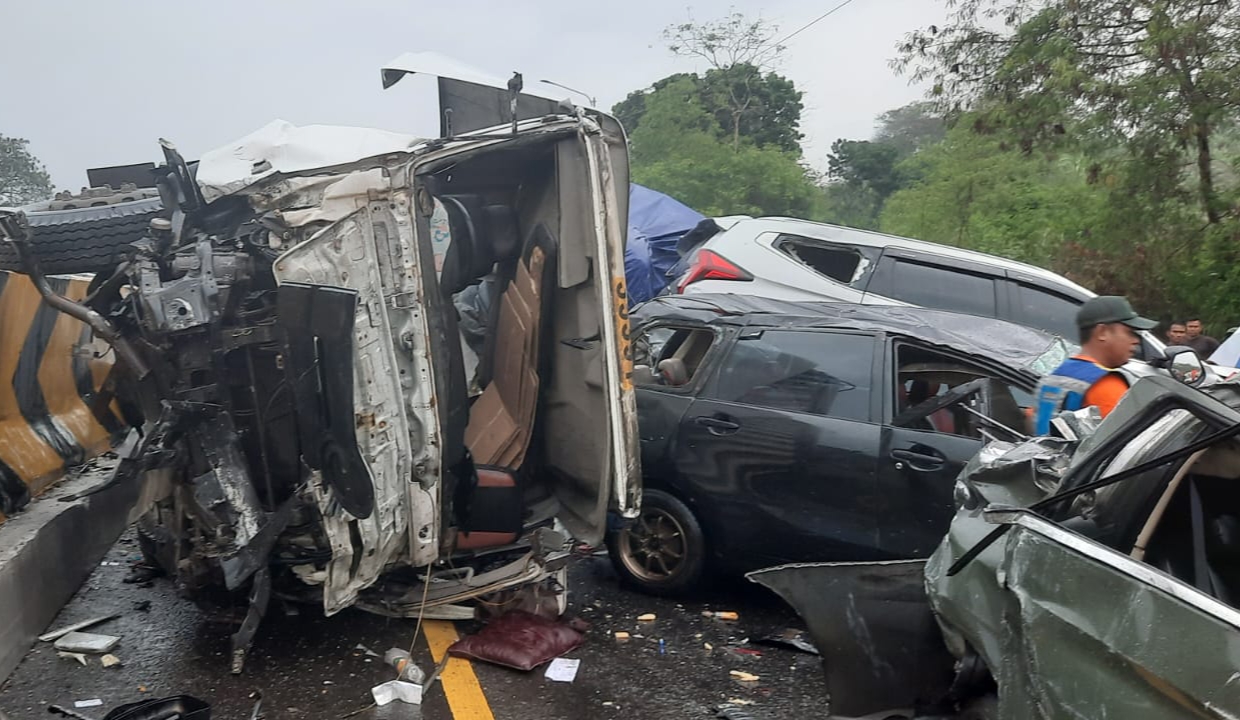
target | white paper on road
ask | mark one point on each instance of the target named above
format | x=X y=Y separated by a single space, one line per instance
x=563 y=669
x=88 y=703
x=405 y=692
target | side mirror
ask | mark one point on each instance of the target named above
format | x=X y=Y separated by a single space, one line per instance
x=1184 y=365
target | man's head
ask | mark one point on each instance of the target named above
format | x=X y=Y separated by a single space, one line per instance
x=1193 y=327
x=1175 y=333
x=1109 y=328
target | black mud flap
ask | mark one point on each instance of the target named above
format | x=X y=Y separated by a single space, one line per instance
x=318 y=364
x=881 y=647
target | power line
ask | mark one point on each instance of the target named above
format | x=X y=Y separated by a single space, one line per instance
x=815 y=21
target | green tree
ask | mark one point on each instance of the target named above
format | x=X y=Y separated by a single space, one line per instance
x=22 y=177
x=910 y=128
x=679 y=148
x=771 y=116
x=861 y=175
x=974 y=193
x=1154 y=76
x=745 y=97
x=864 y=173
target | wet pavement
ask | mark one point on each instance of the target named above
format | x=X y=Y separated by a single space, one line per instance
x=306 y=666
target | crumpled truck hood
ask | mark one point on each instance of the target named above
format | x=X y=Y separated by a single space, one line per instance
x=279 y=147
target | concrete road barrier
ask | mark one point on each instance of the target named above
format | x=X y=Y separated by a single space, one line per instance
x=50 y=370
x=48 y=550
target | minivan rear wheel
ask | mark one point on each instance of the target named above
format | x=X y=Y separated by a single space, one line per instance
x=663 y=551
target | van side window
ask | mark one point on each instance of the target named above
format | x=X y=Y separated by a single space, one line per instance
x=942 y=288
x=1047 y=311
x=842 y=264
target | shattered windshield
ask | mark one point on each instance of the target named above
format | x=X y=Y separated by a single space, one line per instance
x=1053 y=357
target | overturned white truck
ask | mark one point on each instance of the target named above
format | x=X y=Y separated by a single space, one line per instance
x=290 y=354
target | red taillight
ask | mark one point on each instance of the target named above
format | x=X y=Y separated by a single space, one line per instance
x=710 y=265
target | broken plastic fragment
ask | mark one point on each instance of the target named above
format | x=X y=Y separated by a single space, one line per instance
x=48 y=637
x=110 y=661
x=405 y=692
x=73 y=656
x=87 y=643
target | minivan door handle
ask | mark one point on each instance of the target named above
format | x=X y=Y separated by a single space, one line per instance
x=918 y=461
x=717 y=425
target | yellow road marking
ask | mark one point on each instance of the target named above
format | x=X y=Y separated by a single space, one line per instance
x=460 y=684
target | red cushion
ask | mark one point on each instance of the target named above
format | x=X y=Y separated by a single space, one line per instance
x=518 y=640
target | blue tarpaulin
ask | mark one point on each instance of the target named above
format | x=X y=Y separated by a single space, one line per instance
x=656 y=222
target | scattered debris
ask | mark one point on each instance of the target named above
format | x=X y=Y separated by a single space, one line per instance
x=366 y=651
x=745 y=651
x=87 y=643
x=93 y=702
x=48 y=637
x=142 y=606
x=110 y=660
x=562 y=669
x=708 y=646
x=74 y=656
x=731 y=710
x=405 y=692
x=622 y=636
x=790 y=637
x=648 y=617
x=740 y=701
x=722 y=615
x=443 y=663
x=405 y=668
x=449 y=612
x=743 y=676
x=662 y=647
x=142 y=575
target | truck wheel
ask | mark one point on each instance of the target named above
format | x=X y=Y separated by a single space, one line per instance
x=663 y=552
x=86 y=240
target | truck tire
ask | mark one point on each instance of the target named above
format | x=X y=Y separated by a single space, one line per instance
x=87 y=240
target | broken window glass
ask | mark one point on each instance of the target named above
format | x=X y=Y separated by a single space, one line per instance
x=841 y=264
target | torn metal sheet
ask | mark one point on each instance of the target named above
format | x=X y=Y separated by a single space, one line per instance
x=1094 y=634
x=280 y=147
x=880 y=645
x=48 y=637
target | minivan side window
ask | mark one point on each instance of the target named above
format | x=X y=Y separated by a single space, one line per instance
x=943 y=288
x=1047 y=311
x=819 y=373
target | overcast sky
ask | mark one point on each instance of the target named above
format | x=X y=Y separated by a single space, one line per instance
x=97 y=83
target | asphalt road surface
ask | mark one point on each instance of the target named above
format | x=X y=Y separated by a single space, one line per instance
x=305 y=666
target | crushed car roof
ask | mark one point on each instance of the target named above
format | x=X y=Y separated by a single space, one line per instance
x=1011 y=344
